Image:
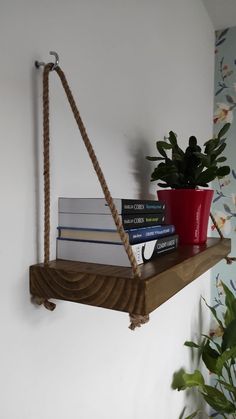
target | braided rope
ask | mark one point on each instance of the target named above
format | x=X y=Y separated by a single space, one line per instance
x=46 y=163
x=97 y=168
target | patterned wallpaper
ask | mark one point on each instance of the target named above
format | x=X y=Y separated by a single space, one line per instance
x=224 y=200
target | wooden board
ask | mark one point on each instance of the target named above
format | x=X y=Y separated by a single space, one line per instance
x=114 y=287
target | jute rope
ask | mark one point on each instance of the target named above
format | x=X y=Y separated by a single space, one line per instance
x=229 y=259
x=135 y=320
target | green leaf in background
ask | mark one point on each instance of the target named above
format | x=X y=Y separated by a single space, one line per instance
x=229 y=336
x=193 y=415
x=218 y=347
x=223 y=130
x=193 y=380
x=182 y=380
x=191 y=344
x=217 y=400
x=178 y=382
x=224 y=358
x=230 y=300
x=213 y=310
x=228 y=386
x=210 y=357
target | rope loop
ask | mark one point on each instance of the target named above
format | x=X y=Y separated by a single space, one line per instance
x=94 y=160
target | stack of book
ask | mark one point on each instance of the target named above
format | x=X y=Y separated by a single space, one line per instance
x=87 y=232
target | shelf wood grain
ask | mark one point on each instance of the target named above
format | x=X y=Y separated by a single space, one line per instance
x=114 y=287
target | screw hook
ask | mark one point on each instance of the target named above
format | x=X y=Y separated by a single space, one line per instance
x=55 y=65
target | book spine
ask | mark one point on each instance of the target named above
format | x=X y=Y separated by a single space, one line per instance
x=144 y=252
x=133 y=206
x=149 y=233
x=100 y=206
x=142 y=220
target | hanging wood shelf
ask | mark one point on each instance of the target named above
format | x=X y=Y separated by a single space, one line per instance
x=115 y=288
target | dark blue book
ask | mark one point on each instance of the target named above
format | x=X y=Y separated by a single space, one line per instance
x=136 y=235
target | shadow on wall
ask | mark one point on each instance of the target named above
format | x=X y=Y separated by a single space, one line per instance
x=140 y=167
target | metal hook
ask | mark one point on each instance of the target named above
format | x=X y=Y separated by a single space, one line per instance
x=56 y=59
x=55 y=65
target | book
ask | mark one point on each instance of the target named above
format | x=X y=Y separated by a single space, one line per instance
x=105 y=221
x=136 y=235
x=100 y=206
x=114 y=253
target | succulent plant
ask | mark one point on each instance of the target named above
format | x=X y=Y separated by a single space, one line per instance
x=193 y=167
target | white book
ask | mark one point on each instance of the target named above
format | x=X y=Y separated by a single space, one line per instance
x=100 y=206
x=113 y=253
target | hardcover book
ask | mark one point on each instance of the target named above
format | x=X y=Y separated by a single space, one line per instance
x=105 y=221
x=100 y=206
x=136 y=235
x=112 y=253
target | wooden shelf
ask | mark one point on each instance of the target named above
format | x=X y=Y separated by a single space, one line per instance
x=114 y=287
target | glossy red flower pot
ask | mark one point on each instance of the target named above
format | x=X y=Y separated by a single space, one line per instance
x=188 y=210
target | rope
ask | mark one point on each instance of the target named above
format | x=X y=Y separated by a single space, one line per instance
x=137 y=320
x=229 y=260
x=97 y=168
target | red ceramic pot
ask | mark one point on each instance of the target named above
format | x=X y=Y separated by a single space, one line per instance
x=188 y=210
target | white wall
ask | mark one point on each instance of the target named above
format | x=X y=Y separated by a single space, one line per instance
x=137 y=69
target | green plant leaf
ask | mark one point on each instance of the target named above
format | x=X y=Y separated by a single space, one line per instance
x=193 y=380
x=210 y=357
x=221 y=159
x=173 y=138
x=154 y=158
x=213 y=310
x=178 y=382
x=160 y=149
x=183 y=380
x=228 y=386
x=217 y=400
x=223 y=171
x=230 y=300
x=207 y=175
x=224 y=358
x=193 y=415
x=219 y=150
x=164 y=145
x=191 y=344
x=223 y=130
x=229 y=336
x=213 y=342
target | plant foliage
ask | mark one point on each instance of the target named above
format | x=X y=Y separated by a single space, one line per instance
x=219 y=356
x=192 y=167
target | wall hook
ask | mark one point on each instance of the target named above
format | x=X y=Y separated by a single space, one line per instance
x=42 y=64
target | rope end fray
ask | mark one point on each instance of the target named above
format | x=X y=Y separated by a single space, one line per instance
x=49 y=305
x=230 y=260
x=136 y=320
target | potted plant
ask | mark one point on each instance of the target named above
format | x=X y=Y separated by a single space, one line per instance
x=218 y=353
x=187 y=206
